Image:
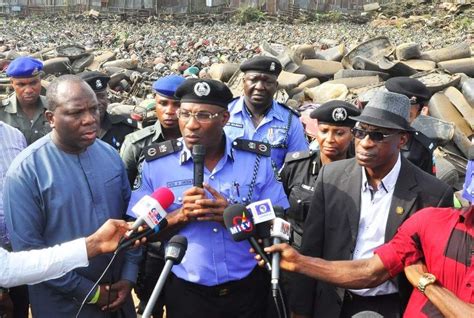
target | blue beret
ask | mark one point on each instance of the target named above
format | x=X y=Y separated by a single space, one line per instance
x=167 y=86
x=204 y=91
x=468 y=189
x=264 y=64
x=336 y=113
x=24 y=67
x=97 y=81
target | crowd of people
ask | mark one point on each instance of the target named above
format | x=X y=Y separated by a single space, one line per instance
x=374 y=232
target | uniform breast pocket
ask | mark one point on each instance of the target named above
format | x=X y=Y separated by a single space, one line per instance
x=300 y=200
x=276 y=136
x=236 y=192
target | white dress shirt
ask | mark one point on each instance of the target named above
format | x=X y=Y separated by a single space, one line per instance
x=374 y=210
x=32 y=267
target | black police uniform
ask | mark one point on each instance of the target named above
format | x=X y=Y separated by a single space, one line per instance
x=114 y=128
x=298 y=176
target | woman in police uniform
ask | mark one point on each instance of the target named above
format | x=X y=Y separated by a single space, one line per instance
x=301 y=168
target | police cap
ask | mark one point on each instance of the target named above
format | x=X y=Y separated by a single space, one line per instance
x=166 y=86
x=97 y=81
x=336 y=112
x=24 y=67
x=264 y=64
x=204 y=91
x=412 y=88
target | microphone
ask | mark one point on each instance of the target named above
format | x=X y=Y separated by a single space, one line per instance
x=198 y=152
x=263 y=215
x=151 y=208
x=280 y=232
x=239 y=223
x=174 y=253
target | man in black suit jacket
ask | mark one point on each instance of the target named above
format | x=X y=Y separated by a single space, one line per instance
x=358 y=204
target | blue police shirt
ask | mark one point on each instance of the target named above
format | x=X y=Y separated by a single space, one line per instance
x=212 y=257
x=280 y=128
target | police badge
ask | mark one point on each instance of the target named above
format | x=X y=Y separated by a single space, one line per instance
x=202 y=89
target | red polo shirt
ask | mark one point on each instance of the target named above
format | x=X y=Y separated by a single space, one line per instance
x=444 y=238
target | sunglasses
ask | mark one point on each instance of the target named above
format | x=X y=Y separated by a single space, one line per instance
x=373 y=135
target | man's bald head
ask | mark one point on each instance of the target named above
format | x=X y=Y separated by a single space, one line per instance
x=62 y=87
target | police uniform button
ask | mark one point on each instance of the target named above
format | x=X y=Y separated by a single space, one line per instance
x=212 y=177
x=215 y=230
x=298 y=201
x=180 y=199
x=179 y=143
x=234 y=143
x=244 y=199
x=36 y=131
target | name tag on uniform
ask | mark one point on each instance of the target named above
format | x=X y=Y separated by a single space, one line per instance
x=179 y=183
x=236 y=125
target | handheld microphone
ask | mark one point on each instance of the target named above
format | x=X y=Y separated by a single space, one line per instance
x=280 y=232
x=198 y=152
x=130 y=240
x=263 y=215
x=174 y=253
x=151 y=209
x=239 y=223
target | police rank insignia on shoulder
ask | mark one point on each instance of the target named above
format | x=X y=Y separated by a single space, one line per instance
x=258 y=147
x=294 y=111
x=162 y=149
x=298 y=155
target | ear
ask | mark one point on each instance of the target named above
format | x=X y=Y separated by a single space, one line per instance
x=50 y=117
x=225 y=118
x=404 y=138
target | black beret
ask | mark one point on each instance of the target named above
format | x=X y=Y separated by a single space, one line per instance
x=96 y=80
x=412 y=88
x=264 y=64
x=335 y=112
x=204 y=91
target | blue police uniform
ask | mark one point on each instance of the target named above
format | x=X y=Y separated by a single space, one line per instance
x=212 y=257
x=280 y=128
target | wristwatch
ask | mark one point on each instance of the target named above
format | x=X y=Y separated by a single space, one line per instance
x=425 y=280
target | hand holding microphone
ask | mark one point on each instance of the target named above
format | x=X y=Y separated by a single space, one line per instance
x=150 y=210
x=280 y=232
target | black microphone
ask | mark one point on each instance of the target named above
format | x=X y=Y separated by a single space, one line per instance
x=128 y=241
x=198 y=153
x=239 y=223
x=174 y=253
x=280 y=232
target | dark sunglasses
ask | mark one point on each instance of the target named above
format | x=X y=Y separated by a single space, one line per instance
x=373 y=135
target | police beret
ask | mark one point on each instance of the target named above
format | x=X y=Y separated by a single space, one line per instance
x=336 y=112
x=166 y=86
x=264 y=64
x=412 y=88
x=204 y=91
x=96 y=80
x=24 y=67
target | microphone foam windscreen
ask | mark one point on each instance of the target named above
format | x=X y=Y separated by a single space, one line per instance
x=176 y=248
x=239 y=222
x=164 y=196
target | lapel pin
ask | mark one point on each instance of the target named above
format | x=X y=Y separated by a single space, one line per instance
x=399 y=210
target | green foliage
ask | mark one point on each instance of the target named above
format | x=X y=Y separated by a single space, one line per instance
x=324 y=17
x=249 y=14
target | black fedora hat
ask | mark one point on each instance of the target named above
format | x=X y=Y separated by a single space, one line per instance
x=387 y=110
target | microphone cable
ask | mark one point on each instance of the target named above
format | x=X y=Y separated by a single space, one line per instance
x=277 y=304
x=96 y=284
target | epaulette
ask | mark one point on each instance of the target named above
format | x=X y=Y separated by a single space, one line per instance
x=294 y=111
x=258 y=147
x=298 y=155
x=155 y=151
x=117 y=119
x=141 y=134
x=425 y=141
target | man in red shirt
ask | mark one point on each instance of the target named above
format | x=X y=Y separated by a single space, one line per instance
x=435 y=246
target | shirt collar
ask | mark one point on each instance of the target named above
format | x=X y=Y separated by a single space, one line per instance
x=158 y=131
x=185 y=154
x=272 y=112
x=388 y=182
x=12 y=107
